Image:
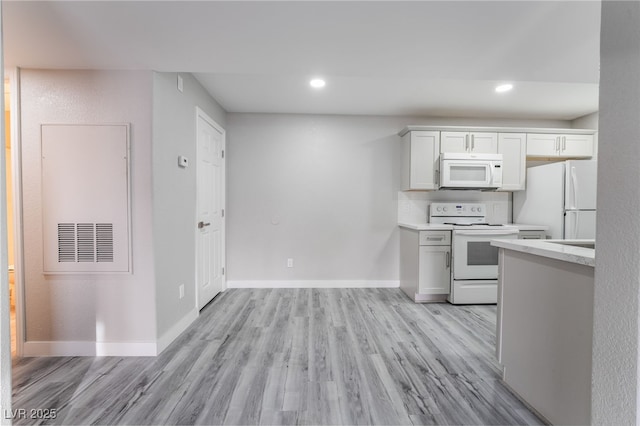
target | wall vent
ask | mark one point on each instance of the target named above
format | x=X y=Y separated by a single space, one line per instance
x=85 y=242
x=66 y=242
x=104 y=242
x=85 y=198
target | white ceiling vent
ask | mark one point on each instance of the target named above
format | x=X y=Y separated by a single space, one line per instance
x=85 y=198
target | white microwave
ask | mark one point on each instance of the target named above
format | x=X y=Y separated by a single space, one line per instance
x=470 y=171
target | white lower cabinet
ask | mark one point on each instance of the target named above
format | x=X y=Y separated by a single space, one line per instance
x=434 y=270
x=425 y=264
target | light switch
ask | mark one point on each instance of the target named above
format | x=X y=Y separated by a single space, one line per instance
x=183 y=161
x=180 y=83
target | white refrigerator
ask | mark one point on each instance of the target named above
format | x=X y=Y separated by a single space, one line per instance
x=561 y=196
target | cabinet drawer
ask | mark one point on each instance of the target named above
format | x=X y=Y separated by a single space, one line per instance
x=532 y=235
x=435 y=238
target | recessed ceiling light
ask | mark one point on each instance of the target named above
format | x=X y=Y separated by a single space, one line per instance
x=317 y=83
x=504 y=88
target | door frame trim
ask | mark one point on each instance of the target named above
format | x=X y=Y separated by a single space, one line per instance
x=200 y=113
x=18 y=238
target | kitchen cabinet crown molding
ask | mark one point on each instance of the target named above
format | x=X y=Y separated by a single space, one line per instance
x=565 y=131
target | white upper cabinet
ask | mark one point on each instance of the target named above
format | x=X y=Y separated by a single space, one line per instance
x=422 y=146
x=576 y=146
x=471 y=142
x=420 y=157
x=559 y=145
x=513 y=147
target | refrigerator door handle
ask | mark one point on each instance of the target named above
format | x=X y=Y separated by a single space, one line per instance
x=574 y=187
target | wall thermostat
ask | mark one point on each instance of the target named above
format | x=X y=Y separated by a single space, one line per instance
x=183 y=161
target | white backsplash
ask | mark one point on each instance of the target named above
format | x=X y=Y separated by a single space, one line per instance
x=413 y=206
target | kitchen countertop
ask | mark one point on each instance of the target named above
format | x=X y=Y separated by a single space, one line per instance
x=426 y=226
x=551 y=249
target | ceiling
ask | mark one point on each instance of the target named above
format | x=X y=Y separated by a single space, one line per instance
x=423 y=58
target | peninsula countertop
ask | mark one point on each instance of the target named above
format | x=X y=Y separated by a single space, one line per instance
x=573 y=251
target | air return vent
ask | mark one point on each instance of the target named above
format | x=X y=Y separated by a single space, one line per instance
x=85 y=198
x=66 y=242
x=85 y=242
x=104 y=242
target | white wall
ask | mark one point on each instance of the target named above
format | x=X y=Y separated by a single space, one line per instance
x=77 y=311
x=174 y=192
x=322 y=190
x=617 y=272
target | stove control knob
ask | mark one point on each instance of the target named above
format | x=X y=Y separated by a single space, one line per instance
x=439 y=209
x=473 y=209
x=479 y=209
x=445 y=209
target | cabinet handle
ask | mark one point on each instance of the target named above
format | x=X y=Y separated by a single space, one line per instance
x=557 y=143
x=466 y=142
x=472 y=142
x=448 y=260
x=564 y=143
x=435 y=238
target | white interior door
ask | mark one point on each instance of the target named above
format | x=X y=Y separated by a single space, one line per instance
x=210 y=209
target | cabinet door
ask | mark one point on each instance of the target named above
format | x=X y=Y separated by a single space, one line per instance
x=421 y=154
x=513 y=147
x=454 y=142
x=576 y=146
x=434 y=270
x=542 y=145
x=483 y=142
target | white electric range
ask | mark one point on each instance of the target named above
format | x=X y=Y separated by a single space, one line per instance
x=474 y=271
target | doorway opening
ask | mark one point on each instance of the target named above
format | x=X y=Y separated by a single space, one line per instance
x=10 y=218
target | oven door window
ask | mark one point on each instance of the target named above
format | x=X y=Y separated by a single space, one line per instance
x=481 y=253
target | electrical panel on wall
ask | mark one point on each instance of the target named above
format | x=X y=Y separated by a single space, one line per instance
x=86 y=198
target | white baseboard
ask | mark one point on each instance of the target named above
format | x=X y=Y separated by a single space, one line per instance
x=63 y=348
x=167 y=338
x=84 y=348
x=314 y=284
x=126 y=349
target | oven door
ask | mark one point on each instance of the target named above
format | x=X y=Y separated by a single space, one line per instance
x=474 y=258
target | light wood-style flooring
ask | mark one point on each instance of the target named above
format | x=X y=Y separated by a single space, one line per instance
x=292 y=356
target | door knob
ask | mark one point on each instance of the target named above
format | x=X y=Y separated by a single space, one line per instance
x=203 y=224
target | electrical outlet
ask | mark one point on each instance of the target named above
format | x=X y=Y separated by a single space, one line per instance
x=289 y=263
x=181 y=290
